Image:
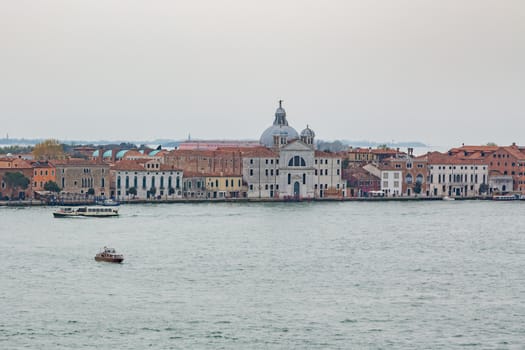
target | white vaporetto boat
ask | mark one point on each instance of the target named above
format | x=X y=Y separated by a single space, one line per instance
x=95 y=212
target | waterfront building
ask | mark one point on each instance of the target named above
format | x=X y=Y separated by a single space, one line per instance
x=504 y=163
x=328 y=179
x=43 y=171
x=391 y=178
x=288 y=167
x=15 y=165
x=414 y=172
x=221 y=186
x=149 y=178
x=360 y=182
x=81 y=176
x=261 y=173
x=193 y=186
x=452 y=176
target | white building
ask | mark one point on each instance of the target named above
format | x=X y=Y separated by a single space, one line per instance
x=391 y=178
x=289 y=167
x=455 y=177
x=149 y=178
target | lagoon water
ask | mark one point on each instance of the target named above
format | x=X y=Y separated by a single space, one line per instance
x=381 y=275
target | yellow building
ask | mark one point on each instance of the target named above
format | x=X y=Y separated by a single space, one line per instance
x=225 y=186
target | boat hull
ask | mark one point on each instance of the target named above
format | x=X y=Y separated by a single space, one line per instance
x=111 y=260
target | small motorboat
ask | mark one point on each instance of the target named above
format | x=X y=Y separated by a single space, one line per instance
x=109 y=255
x=447 y=198
x=108 y=203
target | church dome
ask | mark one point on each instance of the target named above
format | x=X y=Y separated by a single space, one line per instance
x=307 y=132
x=280 y=127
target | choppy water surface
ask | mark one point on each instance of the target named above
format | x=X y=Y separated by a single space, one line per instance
x=436 y=275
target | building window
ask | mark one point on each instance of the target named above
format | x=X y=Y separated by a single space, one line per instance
x=289 y=179
x=304 y=179
x=297 y=161
x=251 y=187
x=251 y=172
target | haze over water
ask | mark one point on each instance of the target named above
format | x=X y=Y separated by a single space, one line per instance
x=381 y=275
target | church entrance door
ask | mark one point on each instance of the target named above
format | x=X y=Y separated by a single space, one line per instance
x=296 y=189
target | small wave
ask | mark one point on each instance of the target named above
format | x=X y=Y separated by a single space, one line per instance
x=347 y=320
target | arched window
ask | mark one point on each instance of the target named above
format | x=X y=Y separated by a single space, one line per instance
x=152 y=181
x=118 y=182
x=419 y=178
x=296 y=161
x=408 y=179
x=127 y=181
x=135 y=182
x=144 y=182
x=169 y=182
x=162 y=182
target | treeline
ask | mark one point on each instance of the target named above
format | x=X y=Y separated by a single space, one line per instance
x=16 y=149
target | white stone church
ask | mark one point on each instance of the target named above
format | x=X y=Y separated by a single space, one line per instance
x=290 y=167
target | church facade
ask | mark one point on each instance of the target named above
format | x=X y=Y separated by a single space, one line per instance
x=289 y=167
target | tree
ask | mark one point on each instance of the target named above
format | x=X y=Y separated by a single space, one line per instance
x=491 y=144
x=417 y=187
x=90 y=192
x=48 y=150
x=152 y=191
x=51 y=186
x=383 y=146
x=132 y=191
x=171 y=191
x=16 y=181
x=483 y=188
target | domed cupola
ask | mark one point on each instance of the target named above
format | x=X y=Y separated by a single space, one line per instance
x=307 y=136
x=278 y=128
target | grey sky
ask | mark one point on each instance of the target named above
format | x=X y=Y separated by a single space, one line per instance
x=442 y=72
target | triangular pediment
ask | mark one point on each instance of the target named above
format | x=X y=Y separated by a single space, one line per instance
x=297 y=145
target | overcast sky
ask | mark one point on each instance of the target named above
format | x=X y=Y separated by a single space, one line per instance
x=442 y=72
